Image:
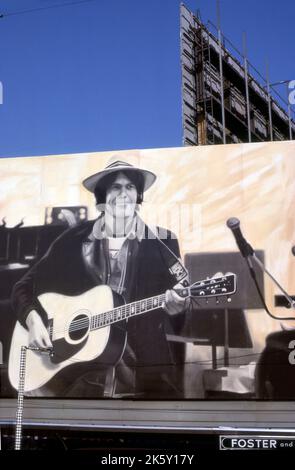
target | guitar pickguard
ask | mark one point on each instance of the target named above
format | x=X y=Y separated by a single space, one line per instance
x=62 y=350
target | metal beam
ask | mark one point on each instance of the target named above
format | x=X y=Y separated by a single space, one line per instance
x=247 y=86
x=221 y=72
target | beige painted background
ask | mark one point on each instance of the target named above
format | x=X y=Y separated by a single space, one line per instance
x=197 y=190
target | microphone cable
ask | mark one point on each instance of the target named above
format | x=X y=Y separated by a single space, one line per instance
x=253 y=275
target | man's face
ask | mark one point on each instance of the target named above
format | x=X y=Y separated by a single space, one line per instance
x=121 y=197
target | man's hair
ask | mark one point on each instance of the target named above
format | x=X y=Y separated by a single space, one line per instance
x=134 y=176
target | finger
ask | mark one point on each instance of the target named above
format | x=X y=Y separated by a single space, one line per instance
x=218 y=274
x=45 y=342
x=176 y=298
x=164 y=304
x=168 y=296
x=167 y=299
x=48 y=343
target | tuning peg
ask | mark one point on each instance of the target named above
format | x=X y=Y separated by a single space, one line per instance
x=217 y=300
x=228 y=299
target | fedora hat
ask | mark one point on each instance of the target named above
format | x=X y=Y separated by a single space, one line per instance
x=118 y=166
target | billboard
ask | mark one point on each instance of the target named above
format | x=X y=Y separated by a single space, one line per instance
x=121 y=275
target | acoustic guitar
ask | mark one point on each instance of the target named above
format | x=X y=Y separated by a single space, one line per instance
x=92 y=326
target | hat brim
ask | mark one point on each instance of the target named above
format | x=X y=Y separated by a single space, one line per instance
x=92 y=181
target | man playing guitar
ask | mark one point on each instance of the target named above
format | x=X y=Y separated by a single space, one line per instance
x=136 y=262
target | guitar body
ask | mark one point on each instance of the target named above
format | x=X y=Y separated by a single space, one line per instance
x=70 y=322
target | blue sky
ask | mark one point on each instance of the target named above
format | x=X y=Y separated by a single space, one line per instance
x=105 y=74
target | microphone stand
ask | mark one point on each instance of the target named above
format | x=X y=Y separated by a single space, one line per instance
x=250 y=254
x=286 y=295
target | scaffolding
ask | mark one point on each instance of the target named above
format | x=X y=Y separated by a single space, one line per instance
x=224 y=97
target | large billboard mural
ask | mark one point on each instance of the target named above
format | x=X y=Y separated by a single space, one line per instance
x=122 y=273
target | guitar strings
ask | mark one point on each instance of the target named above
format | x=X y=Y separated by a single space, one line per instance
x=105 y=318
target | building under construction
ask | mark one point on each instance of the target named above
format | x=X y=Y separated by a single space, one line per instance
x=224 y=98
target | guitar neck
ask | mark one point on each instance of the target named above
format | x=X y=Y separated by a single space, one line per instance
x=214 y=287
x=126 y=311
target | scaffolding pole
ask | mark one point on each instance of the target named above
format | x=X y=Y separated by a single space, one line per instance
x=289 y=113
x=211 y=92
x=221 y=72
x=247 y=86
x=269 y=102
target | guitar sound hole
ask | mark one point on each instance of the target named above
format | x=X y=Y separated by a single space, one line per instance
x=79 y=327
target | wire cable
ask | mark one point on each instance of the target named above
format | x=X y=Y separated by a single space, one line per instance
x=253 y=275
x=49 y=7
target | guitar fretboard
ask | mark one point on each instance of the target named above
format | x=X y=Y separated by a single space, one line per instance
x=126 y=311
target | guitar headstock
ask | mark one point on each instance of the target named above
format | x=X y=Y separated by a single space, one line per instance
x=213 y=287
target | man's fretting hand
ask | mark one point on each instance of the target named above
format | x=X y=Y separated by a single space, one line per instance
x=173 y=302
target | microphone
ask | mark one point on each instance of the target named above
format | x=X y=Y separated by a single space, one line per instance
x=234 y=225
x=293 y=250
